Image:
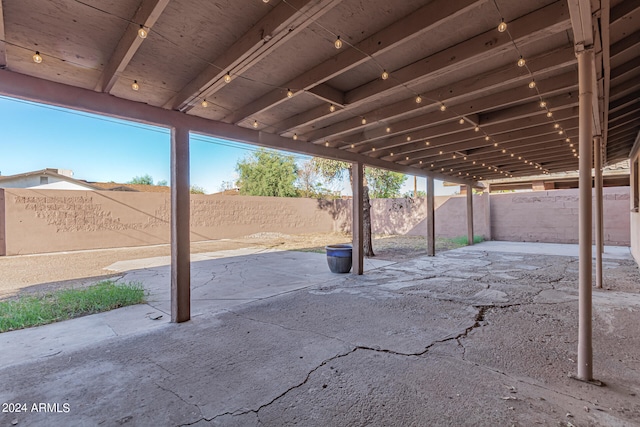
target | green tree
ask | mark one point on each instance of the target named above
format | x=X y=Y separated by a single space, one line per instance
x=334 y=170
x=196 y=189
x=162 y=183
x=144 y=180
x=267 y=173
x=384 y=184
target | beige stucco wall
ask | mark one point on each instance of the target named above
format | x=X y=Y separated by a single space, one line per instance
x=552 y=216
x=49 y=221
x=635 y=216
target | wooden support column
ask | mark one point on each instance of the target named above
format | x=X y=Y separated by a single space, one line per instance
x=469 y=215
x=357 y=227
x=597 y=165
x=180 y=257
x=585 y=84
x=431 y=218
x=487 y=211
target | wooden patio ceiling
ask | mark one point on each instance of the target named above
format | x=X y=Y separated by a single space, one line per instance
x=423 y=87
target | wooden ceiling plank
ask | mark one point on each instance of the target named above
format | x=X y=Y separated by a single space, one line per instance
x=624 y=87
x=622 y=9
x=630 y=42
x=283 y=22
x=627 y=67
x=146 y=15
x=564 y=81
x=327 y=93
x=631 y=109
x=491 y=80
x=624 y=101
x=435 y=13
x=534 y=26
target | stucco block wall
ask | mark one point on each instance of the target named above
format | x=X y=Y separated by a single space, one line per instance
x=552 y=216
x=50 y=221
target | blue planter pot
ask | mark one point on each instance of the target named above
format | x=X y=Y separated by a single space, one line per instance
x=339 y=258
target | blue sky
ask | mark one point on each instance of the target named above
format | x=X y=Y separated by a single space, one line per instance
x=103 y=149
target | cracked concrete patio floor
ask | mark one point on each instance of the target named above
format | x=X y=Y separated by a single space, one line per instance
x=467 y=338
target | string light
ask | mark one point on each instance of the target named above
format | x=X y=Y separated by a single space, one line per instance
x=549 y=114
x=408 y=138
x=532 y=84
x=427 y=143
x=418 y=99
x=353 y=145
x=486 y=138
x=227 y=78
x=385 y=75
x=255 y=124
x=289 y=93
x=135 y=85
x=332 y=108
x=477 y=128
x=556 y=125
x=543 y=104
x=373 y=149
x=338 y=43
x=388 y=129
x=502 y=27
x=204 y=104
x=521 y=62
x=443 y=107
x=364 y=121
x=37 y=58
x=142 y=33
x=326 y=144
x=295 y=136
x=461 y=121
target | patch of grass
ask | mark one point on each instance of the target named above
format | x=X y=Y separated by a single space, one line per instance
x=464 y=240
x=34 y=310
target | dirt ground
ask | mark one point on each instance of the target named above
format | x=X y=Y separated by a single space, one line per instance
x=44 y=272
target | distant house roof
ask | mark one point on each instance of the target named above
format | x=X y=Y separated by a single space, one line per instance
x=6 y=181
x=114 y=186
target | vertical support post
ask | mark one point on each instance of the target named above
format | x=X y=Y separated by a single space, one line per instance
x=180 y=211
x=469 y=215
x=487 y=211
x=597 y=161
x=357 y=226
x=431 y=218
x=585 y=84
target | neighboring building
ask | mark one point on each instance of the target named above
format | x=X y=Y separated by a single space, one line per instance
x=45 y=179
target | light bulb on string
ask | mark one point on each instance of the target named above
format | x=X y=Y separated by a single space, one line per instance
x=388 y=129
x=332 y=108
x=142 y=33
x=521 y=62
x=418 y=99
x=384 y=75
x=543 y=104
x=502 y=27
x=477 y=128
x=37 y=58
x=255 y=124
x=408 y=138
x=227 y=78
x=532 y=84
x=289 y=93
x=549 y=114
x=338 y=43
x=443 y=107
x=295 y=136
x=487 y=138
x=204 y=103
x=556 y=125
x=461 y=121
x=135 y=85
x=363 y=121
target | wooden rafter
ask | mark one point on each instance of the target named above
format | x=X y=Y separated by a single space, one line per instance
x=146 y=15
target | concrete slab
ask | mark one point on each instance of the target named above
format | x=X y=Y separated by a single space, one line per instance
x=434 y=341
x=560 y=249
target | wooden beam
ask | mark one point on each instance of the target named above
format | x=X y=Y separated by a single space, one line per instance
x=629 y=99
x=436 y=13
x=180 y=208
x=466 y=88
x=48 y=92
x=581 y=22
x=327 y=93
x=564 y=82
x=532 y=27
x=284 y=21
x=431 y=220
x=630 y=42
x=146 y=15
x=622 y=9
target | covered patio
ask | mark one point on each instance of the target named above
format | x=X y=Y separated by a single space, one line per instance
x=482 y=335
x=460 y=91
